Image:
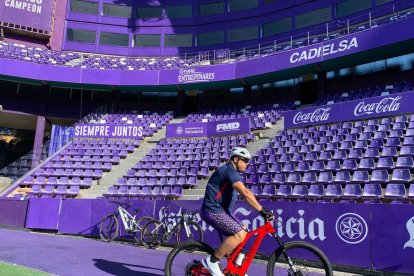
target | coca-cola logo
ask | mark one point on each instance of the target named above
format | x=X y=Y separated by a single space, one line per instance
x=318 y=115
x=388 y=104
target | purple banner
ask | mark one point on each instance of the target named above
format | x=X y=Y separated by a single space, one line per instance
x=108 y=131
x=59 y=137
x=352 y=110
x=13 y=212
x=207 y=129
x=36 y=14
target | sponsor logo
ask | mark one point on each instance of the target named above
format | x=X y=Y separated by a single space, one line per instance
x=351 y=228
x=388 y=104
x=228 y=127
x=325 y=50
x=410 y=229
x=319 y=115
x=191 y=75
x=179 y=130
x=33 y=6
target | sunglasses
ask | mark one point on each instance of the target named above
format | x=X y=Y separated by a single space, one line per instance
x=244 y=160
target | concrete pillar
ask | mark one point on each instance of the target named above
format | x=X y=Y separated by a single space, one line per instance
x=38 y=142
x=247 y=95
x=321 y=84
x=180 y=103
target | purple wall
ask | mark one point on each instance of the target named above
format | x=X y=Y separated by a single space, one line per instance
x=13 y=212
x=59 y=24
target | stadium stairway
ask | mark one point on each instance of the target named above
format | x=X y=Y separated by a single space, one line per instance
x=262 y=138
x=132 y=159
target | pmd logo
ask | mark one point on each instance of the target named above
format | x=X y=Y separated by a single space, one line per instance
x=227 y=127
x=351 y=228
x=179 y=130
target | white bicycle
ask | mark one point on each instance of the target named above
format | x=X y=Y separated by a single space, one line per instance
x=109 y=226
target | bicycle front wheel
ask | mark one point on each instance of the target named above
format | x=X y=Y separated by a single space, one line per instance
x=181 y=262
x=193 y=232
x=298 y=258
x=138 y=228
x=108 y=230
x=152 y=234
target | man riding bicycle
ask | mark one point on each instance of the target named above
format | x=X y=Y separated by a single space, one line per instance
x=219 y=199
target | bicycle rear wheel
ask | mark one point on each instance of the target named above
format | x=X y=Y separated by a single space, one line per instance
x=306 y=259
x=152 y=234
x=108 y=230
x=181 y=262
x=139 y=226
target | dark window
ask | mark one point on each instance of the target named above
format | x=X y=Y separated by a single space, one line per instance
x=84 y=7
x=241 y=34
x=78 y=35
x=211 y=9
x=114 y=39
x=314 y=17
x=210 y=38
x=277 y=27
x=270 y=1
x=117 y=11
x=237 y=5
x=150 y=12
x=179 y=11
x=178 y=40
x=349 y=7
x=380 y=2
x=147 y=40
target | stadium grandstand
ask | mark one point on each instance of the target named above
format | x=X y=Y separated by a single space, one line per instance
x=106 y=101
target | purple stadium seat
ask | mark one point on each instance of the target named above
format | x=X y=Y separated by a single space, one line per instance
x=316 y=191
x=355 y=154
x=309 y=178
x=35 y=191
x=401 y=176
x=333 y=191
x=372 y=153
x=342 y=177
x=360 y=177
x=372 y=193
x=279 y=179
x=379 y=176
x=361 y=144
x=302 y=166
x=293 y=178
x=252 y=179
x=349 y=165
x=73 y=191
x=397 y=192
x=404 y=162
x=407 y=151
x=366 y=164
x=389 y=152
x=380 y=135
x=264 y=179
x=333 y=165
x=352 y=191
x=284 y=191
x=288 y=167
x=317 y=166
x=268 y=191
x=376 y=143
x=385 y=163
x=325 y=178
x=256 y=190
x=299 y=191
x=410 y=194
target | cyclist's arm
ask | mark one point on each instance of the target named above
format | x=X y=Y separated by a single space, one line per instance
x=247 y=195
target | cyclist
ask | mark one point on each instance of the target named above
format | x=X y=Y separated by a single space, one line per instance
x=219 y=199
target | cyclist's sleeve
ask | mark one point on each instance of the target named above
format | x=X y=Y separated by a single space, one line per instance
x=234 y=177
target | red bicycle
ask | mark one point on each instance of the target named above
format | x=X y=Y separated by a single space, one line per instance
x=290 y=258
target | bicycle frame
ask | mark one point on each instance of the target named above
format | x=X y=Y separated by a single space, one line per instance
x=169 y=232
x=126 y=217
x=261 y=232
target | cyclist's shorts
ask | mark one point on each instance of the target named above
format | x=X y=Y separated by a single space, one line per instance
x=224 y=223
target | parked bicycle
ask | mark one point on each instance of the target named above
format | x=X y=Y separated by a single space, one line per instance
x=155 y=232
x=109 y=226
x=291 y=258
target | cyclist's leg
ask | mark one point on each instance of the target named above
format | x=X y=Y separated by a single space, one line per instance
x=227 y=225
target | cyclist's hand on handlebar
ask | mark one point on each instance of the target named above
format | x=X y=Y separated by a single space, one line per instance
x=267 y=214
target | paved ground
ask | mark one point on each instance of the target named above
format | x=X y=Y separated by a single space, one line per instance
x=69 y=255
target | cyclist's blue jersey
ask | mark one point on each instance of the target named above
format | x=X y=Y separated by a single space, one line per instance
x=220 y=195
